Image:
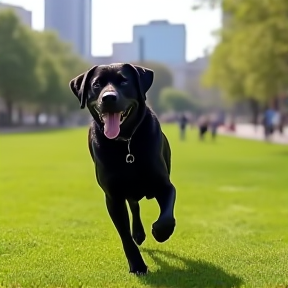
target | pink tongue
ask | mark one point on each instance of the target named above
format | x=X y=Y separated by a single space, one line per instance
x=111 y=125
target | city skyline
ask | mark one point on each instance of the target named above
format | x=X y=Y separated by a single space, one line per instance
x=110 y=26
x=78 y=32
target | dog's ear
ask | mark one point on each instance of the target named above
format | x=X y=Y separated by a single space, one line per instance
x=75 y=84
x=79 y=86
x=145 y=78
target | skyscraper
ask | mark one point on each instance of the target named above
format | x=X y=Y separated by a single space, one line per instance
x=161 y=41
x=71 y=19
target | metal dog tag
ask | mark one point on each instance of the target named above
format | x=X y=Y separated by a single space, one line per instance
x=130 y=158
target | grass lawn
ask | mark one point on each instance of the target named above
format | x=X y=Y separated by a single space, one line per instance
x=231 y=211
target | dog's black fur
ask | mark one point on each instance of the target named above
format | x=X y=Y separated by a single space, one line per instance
x=148 y=176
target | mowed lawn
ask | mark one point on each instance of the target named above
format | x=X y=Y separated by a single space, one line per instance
x=231 y=210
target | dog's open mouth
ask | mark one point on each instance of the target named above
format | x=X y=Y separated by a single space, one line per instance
x=124 y=115
x=112 y=122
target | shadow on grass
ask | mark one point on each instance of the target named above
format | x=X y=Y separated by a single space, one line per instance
x=196 y=274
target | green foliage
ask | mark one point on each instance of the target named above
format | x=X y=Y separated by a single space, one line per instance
x=19 y=79
x=251 y=58
x=35 y=67
x=162 y=78
x=231 y=213
x=51 y=71
x=58 y=66
x=172 y=99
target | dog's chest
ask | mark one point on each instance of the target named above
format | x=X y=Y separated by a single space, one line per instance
x=138 y=178
x=129 y=180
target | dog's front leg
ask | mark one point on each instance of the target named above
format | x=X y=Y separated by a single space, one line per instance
x=118 y=212
x=163 y=228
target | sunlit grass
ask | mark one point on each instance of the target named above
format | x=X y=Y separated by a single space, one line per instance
x=232 y=216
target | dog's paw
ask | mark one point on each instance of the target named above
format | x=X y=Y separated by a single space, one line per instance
x=139 y=272
x=162 y=229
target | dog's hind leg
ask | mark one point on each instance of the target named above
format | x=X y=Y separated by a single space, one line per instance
x=138 y=232
x=119 y=214
x=163 y=228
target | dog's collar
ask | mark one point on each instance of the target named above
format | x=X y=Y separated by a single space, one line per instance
x=130 y=157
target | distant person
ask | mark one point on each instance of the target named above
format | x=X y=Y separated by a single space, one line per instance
x=282 y=123
x=182 y=125
x=214 y=123
x=203 y=125
x=276 y=120
x=232 y=125
x=268 y=122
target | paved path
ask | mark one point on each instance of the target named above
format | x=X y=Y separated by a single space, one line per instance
x=249 y=132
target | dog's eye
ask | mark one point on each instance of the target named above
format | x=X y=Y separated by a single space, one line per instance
x=124 y=82
x=96 y=85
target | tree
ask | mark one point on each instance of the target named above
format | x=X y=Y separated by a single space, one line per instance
x=172 y=99
x=162 y=78
x=251 y=60
x=58 y=66
x=19 y=78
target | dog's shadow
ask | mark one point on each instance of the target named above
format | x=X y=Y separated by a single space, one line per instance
x=194 y=273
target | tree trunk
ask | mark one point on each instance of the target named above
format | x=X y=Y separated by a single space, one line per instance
x=37 y=114
x=61 y=118
x=9 y=112
x=20 y=116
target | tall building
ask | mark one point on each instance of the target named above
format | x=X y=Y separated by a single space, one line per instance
x=71 y=19
x=158 y=41
x=24 y=15
x=161 y=41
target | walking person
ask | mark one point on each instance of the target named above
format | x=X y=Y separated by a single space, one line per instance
x=203 y=125
x=182 y=125
x=268 y=123
x=214 y=123
x=276 y=120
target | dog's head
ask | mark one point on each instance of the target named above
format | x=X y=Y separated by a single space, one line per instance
x=114 y=94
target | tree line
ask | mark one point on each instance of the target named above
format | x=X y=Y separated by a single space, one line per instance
x=250 y=61
x=35 y=68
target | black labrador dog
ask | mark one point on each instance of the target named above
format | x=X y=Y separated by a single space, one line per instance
x=131 y=154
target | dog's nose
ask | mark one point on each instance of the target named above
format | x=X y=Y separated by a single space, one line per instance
x=109 y=96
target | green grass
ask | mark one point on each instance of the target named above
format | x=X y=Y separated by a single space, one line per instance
x=231 y=210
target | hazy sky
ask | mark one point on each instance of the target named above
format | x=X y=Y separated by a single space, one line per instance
x=112 y=21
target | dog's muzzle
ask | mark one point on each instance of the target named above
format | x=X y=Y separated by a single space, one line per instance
x=112 y=113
